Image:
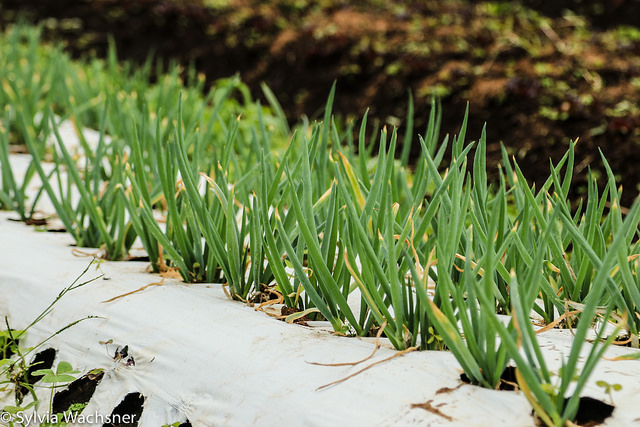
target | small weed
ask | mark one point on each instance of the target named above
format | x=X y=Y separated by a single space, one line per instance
x=609 y=388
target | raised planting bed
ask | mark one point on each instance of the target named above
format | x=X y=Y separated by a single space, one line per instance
x=195 y=355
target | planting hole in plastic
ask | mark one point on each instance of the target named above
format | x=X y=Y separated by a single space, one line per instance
x=131 y=407
x=508 y=380
x=42 y=360
x=592 y=411
x=139 y=258
x=78 y=392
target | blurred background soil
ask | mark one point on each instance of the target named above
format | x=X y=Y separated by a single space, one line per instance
x=539 y=76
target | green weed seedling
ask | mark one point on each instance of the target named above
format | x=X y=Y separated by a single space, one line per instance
x=14 y=367
x=609 y=388
x=64 y=373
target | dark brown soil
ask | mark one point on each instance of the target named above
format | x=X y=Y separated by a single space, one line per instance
x=508 y=380
x=538 y=81
x=591 y=413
